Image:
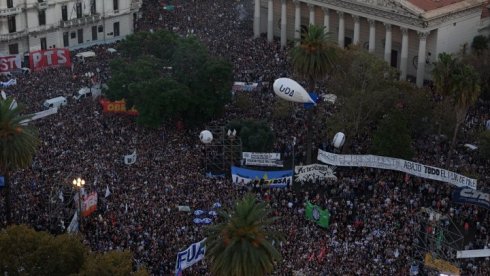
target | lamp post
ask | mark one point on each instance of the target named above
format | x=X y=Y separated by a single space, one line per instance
x=232 y=135
x=78 y=185
x=294 y=144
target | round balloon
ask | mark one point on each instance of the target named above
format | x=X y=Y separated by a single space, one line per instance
x=206 y=136
x=338 y=140
x=292 y=91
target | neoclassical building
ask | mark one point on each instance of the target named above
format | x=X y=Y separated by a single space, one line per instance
x=29 y=25
x=408 y=34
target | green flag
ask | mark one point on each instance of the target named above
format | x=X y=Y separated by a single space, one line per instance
x=316 y=214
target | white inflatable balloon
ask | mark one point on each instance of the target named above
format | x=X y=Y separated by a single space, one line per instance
x=206 y=136
x=338 y=140
x=290 y=90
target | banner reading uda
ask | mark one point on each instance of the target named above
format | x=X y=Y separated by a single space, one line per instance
x=191 y=255
x=117 y=107
x=47 y=58
x=389 y=163
x=270 y=179
x=89 y=205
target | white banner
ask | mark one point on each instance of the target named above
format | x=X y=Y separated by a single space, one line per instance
x=478 y=253
x=130 y=158
x=40 y=114
x=191 y=255
x=262 y=159
x=314 y=172
x=389 y=163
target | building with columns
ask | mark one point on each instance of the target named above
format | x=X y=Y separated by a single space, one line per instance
x=408 y=34
x=29 y=25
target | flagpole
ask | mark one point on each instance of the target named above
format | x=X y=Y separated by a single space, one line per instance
x=78 y=184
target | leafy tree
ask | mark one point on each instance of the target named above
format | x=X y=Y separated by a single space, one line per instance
x=18 y=144
x=460 y=83
x=256 y=135
x=392 y=138
x=177 y=82
x=242 y=244
x=24 y=251
x=480 y=44
x=313 y=58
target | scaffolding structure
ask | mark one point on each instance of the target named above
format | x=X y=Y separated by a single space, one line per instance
x=224 y=151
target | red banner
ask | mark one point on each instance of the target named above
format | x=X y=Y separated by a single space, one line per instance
x=9 y=63
x=47 y=58
x=117 y=107
x=89 y=204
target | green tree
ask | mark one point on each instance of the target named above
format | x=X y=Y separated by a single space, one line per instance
x=479 y=44
x=24 y=251
x=460 y=83
x=392 y=138
x=242 y=243
x=313 y=58
x=256 y=136
x=18 y=144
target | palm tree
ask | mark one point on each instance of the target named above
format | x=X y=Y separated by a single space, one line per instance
x=242 y=244
x=313 y=58
x=460 y=83
x=18 y=143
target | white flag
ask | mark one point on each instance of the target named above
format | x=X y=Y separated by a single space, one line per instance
x=61 y=197
x=130 y=158
x=107 y=192
x=73 y=227
x=126 y=209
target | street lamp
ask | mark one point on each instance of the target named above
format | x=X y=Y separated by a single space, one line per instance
x=78 y=185
x=232 y=135
x=294 y=144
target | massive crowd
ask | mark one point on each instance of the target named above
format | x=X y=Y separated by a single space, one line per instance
x=375 y=225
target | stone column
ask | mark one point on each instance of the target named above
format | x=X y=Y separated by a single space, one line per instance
x=357 y=29
x=326 y=19
x=312 y=13
x=257 y=19
x=404 y=54
x=421 y=58
x=372 y=35
x=283 y=23
x=388 y=43
x=297 y=19
x=341 y=29
x=270 y=21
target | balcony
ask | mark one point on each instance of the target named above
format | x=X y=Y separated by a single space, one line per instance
x=75 y=22
x=42 y=5
x=136 y=4
x=13 y=36
x=42 y=29
x=10 y=11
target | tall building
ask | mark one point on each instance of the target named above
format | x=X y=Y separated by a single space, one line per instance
x=407 y=34
x=29 y=25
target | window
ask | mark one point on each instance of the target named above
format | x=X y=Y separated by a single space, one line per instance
x=115 y=4
x=116 y=28
x=101 y=29
x=14 y=49
x=40 y=1
x=73 y=35
x=42 y=17
x=93 y=7
x=44 y=45
x=10 y=4
x=79 y=10
x=11 y=23
x=94 y=32
x=80 y=36
x=66 y=40
x=64 y=12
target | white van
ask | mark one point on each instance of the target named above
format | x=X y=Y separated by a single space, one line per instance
x=55 y=102
x=83 y=56
x=86 y=92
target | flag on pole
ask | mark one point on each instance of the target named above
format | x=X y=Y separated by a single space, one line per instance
x=126 y=209
x=73 y=227
x=61 y=197
x=314 y=213
x=130 y=158
x=107 y=192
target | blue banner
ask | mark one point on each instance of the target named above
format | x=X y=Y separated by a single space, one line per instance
x=268 y=179
x=467 y=195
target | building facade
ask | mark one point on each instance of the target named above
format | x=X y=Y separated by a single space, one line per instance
x=408 y=34
x=30 y=25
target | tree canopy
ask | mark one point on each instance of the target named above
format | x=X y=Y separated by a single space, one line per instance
x=24 y=251
x=256 y=136
x=169 y=78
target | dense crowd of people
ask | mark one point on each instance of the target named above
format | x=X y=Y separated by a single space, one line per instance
x=376 y=225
